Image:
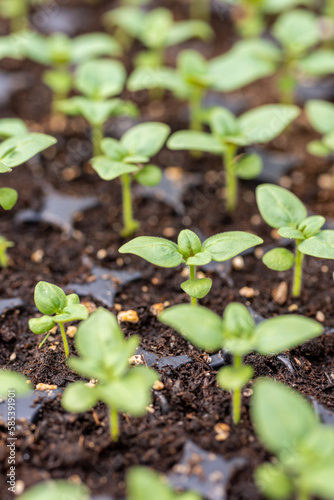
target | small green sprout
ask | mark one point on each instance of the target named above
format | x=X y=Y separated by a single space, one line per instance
x=194 y=76
x=13 y=152
x=289 y=428
x=58 y=489
x=156 y=30
x=237 y=334
x=57 y=308
x=282 y=210
x=104 y=355
x=126 y=158
x=60 y=52
x=190 y=251
x=144 y=483
x=11 y=381
x=98 y=81
x=228 y=132
x=321 y=116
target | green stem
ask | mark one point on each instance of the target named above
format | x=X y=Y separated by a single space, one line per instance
x=3 y=258
x=195 y=109
x=97 y=136
x=298 y=272
x=114 y=426
x=231 y=178
x=63 y=334
x=130 y=225
x=192 y=270
x=44 y=340
x=237 y=363
x=287 y=82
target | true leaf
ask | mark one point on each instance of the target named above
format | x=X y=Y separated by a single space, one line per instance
x=279 y=207
x=73 y=312
x=158 y=251
x=273 y=482
x=100 y=79
x=200 y=259
x=321 y=245
x=297 y=30
x=189 y=243
x=226 y=245
x=49 y=298
x=56 y=490
x=318 y=148
x=311 y=225
x=19 y=149
x=10 y=127
x=195 y=141
x=289 y=232
x=279 y=259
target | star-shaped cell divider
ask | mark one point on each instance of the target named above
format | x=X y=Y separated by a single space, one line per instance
x=204 y=472
x=58 y=209
x=104 y=284
x=171 y=190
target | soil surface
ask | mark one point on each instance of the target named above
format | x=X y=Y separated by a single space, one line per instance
x=63 y=445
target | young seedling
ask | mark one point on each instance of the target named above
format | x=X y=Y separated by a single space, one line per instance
x=282 y=210
x=321 y=116
x=61 y=52
x=126 y=158
x=57 y=309
x=190 y=251
x=156 y=30
x=237 y=334
x=228 y=132
x=11 y=381
x=104 y=355
x=194 y=76
x=58 y=489
x=289 y=429
x=98 y=81
x=13 y=152
x=143 y=483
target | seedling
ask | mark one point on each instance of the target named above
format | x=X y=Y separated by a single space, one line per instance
x=228 y=133
x=303 y=447
x=282 y=210
x=190 y=251
x=14 y=152
x=57 y=309
x=60 y=52
x=126 y=158
x=145 y=483
x=237 y=334
x=194 y=76
x=97 y=81
x=156 y=30
x=11 y=381
x=11 y=127
x=104 y=355
x=56 y=490
x=321 y=116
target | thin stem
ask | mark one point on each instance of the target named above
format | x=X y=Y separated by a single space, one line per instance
x=231 y=178
x=3 y=258
x=114 y=425
x=298 y=272
x=44 y=340
x=287 y=82
x=63 y=334
x=237 y=363
x=192 y=270
x=130 y=224
x=195 y=109
x=97 y=136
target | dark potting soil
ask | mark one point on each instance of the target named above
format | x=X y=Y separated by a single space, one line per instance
x=62 y=445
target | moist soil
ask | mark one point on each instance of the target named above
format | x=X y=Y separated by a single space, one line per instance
x=63 y=445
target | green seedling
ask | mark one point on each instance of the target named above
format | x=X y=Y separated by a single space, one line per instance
x=228 y=133
x=321 y=116
x=13 y=152
x=289 y=428
x=61 y=52
x=13 y=382
x=56 y=490
x=237 y=334
x=190 y=251
x=129 y=159
x=194 y=76
x=144 y=483
x=156 y=30
x=57 y=309
x=282 y=210
x=17 y=11
x=98 y=81
x=104 y=355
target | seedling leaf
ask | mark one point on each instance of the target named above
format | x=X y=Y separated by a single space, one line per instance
x=279 y=207
x=158 y=251
x=8 y=198
x=197 y=288
x=321 y=245
x=279 y=259
x=224 y=246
